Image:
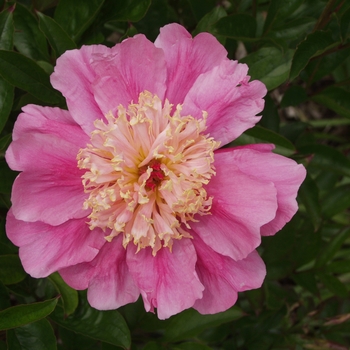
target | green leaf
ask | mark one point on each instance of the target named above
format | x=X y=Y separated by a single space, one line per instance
x=326 y=158
x=279 y=11
x=106 y=326
x=20 y=315
x=190 y=322
x=25 y=74
x=11 y=270
x=124 y=10
x=275 y=295
x=259 y=329
x=190 y=346
x=4 y=297
x=75 y=341
x=295 y=245
x=325 y=65
x=6 y=29
x=28 y=38
x=332 y=248
x=336 y=201
x=5 y=142
x=339 y=267
x=46 y=66
x=274 y=8
x=69 y=295
x=269 y=65
x=41 y=5
x=333 y=284
x=307 y=280
x=336 y=99
x=75 y=17
x=261 y=134
x=239 y=26
x=256 y=298
x=270 y=117
x=6 y=247
x=294 y=96
x=293 y=30
x=295 y=131
x=200 y=8
x=322 y=123
x=206 y=23
x=57 y=37
x=153 y=346
x=307 y=244
x=7 y=177
x=308 y=193
x=38 y=335
x=314 y=45
x=26 y=99
x=6 y=101
x=345 y=24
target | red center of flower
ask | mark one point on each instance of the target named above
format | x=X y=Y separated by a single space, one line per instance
x=156 y=176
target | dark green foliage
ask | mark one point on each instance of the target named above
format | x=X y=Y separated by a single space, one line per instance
x=301 y=50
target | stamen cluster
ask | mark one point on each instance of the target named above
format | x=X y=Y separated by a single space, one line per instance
x=146 y=172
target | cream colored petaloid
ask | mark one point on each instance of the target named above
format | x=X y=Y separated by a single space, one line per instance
x=147 y=168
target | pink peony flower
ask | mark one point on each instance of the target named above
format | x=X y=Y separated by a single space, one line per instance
x=128 y=192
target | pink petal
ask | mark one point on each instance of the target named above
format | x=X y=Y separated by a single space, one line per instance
x=45 y=249
x=50 y=188
x=37 y=152
x=73 y=76
x=187 y=58
x=45 y=145
x=131 y=67
x=48 y=120
x=241 y=205
x=258 y=161
x=167 y=281
x=44 y=135
x=224 y=277
x=230 y=101
x=50 y=198
x=107 y=278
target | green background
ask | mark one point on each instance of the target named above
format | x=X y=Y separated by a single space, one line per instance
x=301 y=50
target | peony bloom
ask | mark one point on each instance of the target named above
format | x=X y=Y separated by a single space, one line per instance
x=128 y=191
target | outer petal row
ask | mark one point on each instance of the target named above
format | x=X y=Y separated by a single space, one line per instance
x=96 y=79
x=254 y=193
x=45 y=144
x=194 y=72
x=186 y=58
x=224 y=277
x=109 y=282
x=230 y=101
x=167 y=281
x=45 y=249
x=128 y=69
x=258 y=161
x=210 y=82
x=73 y=76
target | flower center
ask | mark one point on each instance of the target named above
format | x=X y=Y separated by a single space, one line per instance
x=146 y=171
x=156 y=176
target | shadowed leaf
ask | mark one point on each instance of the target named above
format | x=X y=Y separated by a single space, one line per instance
x=38 y=335
x=20 y=315
x=25 y=74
